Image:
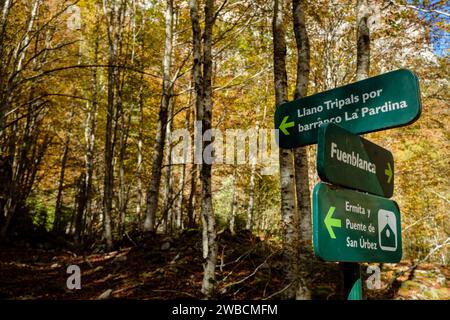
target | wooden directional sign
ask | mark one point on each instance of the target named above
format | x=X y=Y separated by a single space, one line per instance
x=348 y=160
x=382 y=102
x=355 y=227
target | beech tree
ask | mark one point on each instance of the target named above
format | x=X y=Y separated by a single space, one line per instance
x=158 y=156
x=289 y=210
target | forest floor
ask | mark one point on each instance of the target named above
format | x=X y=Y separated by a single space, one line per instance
x=160 y=267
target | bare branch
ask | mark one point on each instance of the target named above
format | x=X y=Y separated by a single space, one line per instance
x=279 y=292
x=220 y=9
x=421 y=9
x=438 y=247
x=84 y=66
x=253 y=273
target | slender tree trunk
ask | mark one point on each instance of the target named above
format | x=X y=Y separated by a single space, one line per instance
x=198 y=89
x=301 y=155
x=123 y=190
x=140 y=193
x=109 y=167
x=251 y=198
x=11 y=194
x=178 y=198
x=79 y=208
x=111 y=112
x=203 y=90
x=89 y=130
x=193 y=174
x=190 y=209
x=179 y=203
x=232 y=221
x=121 y=122
x=179 y=206
x=287 y=173
x=363 y=40
x=59 y=200
x=208 y=284
x=260 y=216
x=168 y=176
x=153 y=189
x=5 y=7
x=140 y=186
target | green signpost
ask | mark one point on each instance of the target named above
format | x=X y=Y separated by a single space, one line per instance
x=382 y=102
x=349 y=160
x=352 y=226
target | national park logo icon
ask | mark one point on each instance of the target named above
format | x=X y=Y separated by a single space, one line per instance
x=387 y=230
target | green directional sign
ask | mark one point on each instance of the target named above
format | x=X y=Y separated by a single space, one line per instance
x=382 y=102
x=348 y=160
x=352 y=226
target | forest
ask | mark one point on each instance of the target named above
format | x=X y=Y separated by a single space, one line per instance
x=138 y=150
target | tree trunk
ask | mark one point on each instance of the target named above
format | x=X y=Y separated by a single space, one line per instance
x=179 y=206
x=168 y=176
x=59 y=202
x=190 y=209
x=79 y=208
x=301 y=155
x=232 y=221
x=5 y=7
x=111 y=117
x=251 y=198
x=12 y=188
x=287 y=174
x=193 y=185
x=123 y=190
x=203 y=90
x=89 y=131
x=363 y=40
x=208 y=283
x=153 y=189
x=140 y=192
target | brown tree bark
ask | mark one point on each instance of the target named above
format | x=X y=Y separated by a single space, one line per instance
x=289 y=212
x=168 y=192
x=234 y=203
x=108 y=183
x=158 y=156
x=301 y=155
x=89 y=132
x=363 y=40
x=59 y=199
x=202 y=74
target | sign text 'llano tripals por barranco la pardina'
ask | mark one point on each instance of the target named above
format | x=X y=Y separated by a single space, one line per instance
x=382 y=102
